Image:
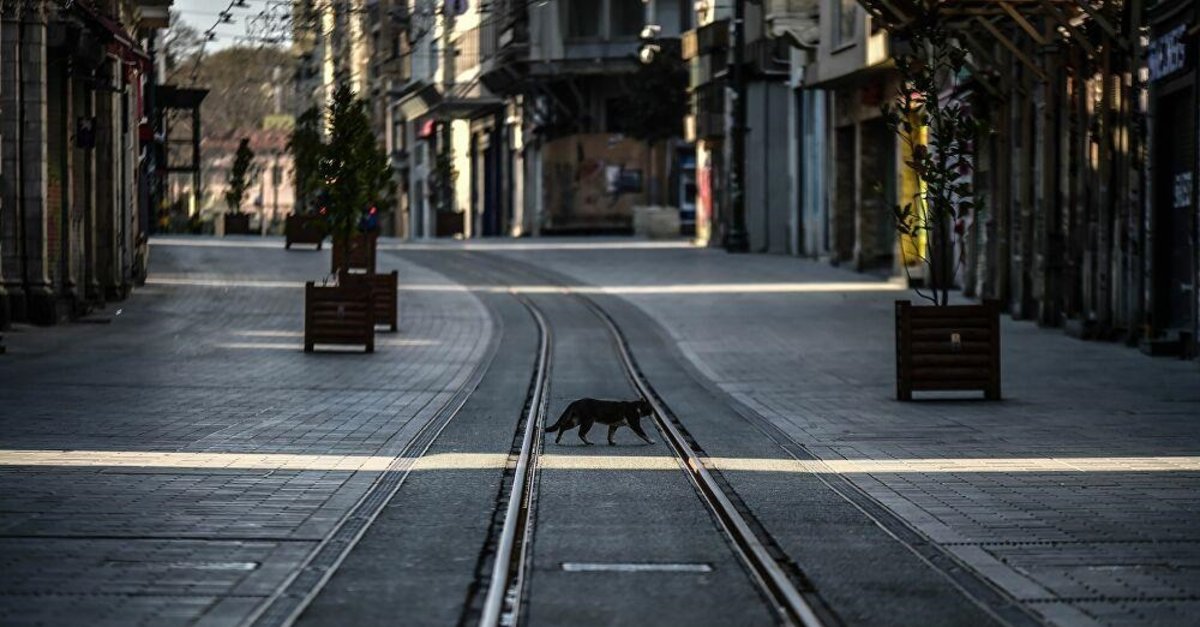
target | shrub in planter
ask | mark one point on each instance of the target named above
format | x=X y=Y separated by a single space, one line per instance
x=357 y=179
x=241 y=177
x=357 y=174
x=939 y=346
x=307 y=148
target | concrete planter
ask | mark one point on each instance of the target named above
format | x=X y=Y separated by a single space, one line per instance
x=955 y=347
x=656 y=222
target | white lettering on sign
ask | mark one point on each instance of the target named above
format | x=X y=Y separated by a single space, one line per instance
x=1183 y=190
x=1168 y=53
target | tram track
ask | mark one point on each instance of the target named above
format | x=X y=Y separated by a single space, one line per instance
x=794 y=598
x=792 y=604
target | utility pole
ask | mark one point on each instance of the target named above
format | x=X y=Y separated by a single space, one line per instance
x=735 y=239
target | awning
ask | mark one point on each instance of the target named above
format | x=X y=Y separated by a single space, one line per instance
x=111 y=31
x=459 y=102
x=416 y=101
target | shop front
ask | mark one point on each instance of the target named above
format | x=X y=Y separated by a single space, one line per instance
x=1173 y=214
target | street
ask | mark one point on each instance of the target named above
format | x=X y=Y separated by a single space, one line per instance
x=184 y=462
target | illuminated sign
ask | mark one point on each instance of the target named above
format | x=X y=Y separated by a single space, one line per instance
x=1168 y=53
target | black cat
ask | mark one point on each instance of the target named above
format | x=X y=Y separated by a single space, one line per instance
x=583 y=413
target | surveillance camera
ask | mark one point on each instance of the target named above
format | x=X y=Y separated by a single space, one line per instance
x=647 y=53
x=651 y=31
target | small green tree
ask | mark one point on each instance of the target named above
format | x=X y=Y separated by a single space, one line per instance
x=354 y=168
x=932 y=115
x=308 y=149
x=240 y=176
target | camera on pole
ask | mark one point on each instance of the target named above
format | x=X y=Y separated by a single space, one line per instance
x=649 y=49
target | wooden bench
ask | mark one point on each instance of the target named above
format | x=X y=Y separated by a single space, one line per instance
x=955 y=347
x=341 y=314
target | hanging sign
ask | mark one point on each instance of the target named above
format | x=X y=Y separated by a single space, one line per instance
x=1168 y=53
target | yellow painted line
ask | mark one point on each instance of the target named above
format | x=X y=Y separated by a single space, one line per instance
x=644 y=290
x=559 y=461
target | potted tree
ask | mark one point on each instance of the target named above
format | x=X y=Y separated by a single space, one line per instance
x=939 y=346
x=240 y=180
x=305 y=225
x=356 y=174
x=443 y=174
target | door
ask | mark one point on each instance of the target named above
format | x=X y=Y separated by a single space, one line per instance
x=1174 y=207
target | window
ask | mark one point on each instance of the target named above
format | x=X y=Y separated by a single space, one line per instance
x=845 y=21
x=626 y=18
x=583 y=19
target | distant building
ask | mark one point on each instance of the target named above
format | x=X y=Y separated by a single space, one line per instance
x=80 y=153
x=507 y=120
x=271 y=195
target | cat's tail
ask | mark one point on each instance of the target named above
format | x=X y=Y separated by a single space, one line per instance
x=562 y=420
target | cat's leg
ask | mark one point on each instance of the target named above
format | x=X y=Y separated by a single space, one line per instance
x=637 y=428
x=583 y=431
x=558 y=437
x=612 y=429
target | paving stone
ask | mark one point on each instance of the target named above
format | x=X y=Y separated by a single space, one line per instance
x=205 y=361
x=817 y=361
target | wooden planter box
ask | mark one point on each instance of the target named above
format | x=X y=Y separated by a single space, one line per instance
x=303 y=229
x=341 y=314
x=956 y=347
x=361 y=253
x=384 y=291
x=449 y=224
x=237 y=224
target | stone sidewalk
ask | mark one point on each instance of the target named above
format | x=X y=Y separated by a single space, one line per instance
x=179 y=463
x=1077 y=494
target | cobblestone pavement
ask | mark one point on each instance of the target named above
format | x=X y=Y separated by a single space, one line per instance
x=179 y=463
x=1075 y=495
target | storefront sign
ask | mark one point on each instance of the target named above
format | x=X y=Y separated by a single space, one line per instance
x=1168 y=53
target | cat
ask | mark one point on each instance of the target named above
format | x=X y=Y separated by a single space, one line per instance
x=584 y=412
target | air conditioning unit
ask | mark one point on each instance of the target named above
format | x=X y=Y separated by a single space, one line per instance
x=798 y=21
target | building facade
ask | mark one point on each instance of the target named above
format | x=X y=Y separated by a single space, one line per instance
x=1084 y=177
x=77 y=151
x=514 y=117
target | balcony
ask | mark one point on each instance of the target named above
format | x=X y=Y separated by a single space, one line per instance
x=474 y=46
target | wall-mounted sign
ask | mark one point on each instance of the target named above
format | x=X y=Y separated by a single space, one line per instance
x=1168 y=53
x=85 y=133
x=1183 y=190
